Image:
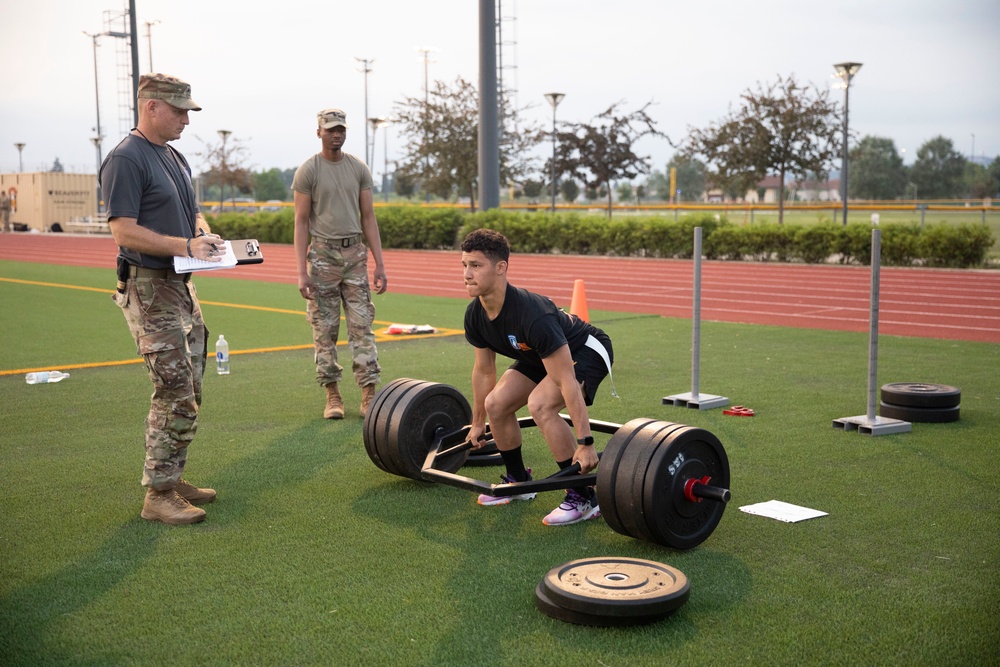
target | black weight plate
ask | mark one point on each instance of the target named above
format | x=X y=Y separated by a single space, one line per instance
x=926 y=415
x=921 y=395
x=607 y=472
x=617 y=587
x=423 y=411
x=385 y=422
x=550 y=608
x=633 y=464
x=371 y=418
x=673 y=520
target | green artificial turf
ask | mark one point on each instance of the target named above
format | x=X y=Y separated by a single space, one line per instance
x=314 y=556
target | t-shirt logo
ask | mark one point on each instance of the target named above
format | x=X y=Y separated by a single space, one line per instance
x=517 y=346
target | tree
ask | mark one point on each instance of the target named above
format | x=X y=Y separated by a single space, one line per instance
x=938 y=169
x=876 y=170
x=569 y=190
x=658 y=184
x=601 y=152
x=406 y=185
x=691 y=175
x=227 y=168
x=269 y=185
x=533 y=189
x=57 y=167
x=978 y=181
x=781 y=128
x=625 y=191
x=442 y=140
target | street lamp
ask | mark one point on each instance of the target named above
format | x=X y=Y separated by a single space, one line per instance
x=366 y=68
x=845 y=72
x=20 y=162
x=554 y=99
x=376 y=123
x=222 y=197
x=149 y=39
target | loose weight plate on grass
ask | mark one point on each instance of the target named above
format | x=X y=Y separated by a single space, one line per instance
x=624 y=590
x=921 y=395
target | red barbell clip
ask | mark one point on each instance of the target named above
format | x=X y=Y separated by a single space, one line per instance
x=739 y=411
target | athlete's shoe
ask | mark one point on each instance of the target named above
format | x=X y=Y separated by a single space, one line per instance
x=498 y=500
x=573 y=509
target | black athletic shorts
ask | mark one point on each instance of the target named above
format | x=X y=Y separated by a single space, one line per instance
x=588 y=365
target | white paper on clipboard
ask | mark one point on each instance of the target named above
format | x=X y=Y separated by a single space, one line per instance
x=189 y=264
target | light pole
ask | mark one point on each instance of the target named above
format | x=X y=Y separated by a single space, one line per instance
x=20 y=162
x=222 y=197
x=376 y=123
x=426 y=50
x=972 y=157
x=99 y=138
x=149 y=40
x=846 y=72
x=366 y=68
x=554 y=99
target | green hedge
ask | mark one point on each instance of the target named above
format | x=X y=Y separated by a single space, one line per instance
x=938 y=245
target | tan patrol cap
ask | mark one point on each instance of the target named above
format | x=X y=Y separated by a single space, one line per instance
x=168 y=88
x=329 y=118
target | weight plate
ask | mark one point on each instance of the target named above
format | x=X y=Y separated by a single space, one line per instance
x=926 y=415
x=385 y=421
x=632 y=468
x=617 y=587
x=607 y=472
x=921 y=395
x=421 y=413
x=550 y=608
x=673 y=520
x=371 y=418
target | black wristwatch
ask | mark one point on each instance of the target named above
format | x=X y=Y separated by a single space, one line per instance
x=589 y=440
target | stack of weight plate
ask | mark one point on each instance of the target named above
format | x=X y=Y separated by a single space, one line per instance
x=612 y=591
x=920 y=402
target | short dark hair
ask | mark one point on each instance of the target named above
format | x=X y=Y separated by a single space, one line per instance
x=491 y=243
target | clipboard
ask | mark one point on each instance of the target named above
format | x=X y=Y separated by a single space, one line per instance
x=247 y=251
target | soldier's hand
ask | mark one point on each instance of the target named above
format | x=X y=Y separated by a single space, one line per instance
x=307 y=288
x=380 y=280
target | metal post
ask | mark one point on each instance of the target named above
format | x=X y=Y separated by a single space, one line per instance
x=134 y=42
x=489 y=134
x=225 y=170
x=870 y=423
x=20 y=162
x=695 y=399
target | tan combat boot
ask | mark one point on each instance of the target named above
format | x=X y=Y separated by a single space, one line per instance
x=334 y=403
x=170 y=508
x=193 y=494
x=367 y=394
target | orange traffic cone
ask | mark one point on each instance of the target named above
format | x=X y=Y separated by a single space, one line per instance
x=578 y=306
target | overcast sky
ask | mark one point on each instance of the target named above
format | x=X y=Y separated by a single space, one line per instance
x=263 y=69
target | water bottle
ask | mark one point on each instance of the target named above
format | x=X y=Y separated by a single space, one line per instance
x=222 y=356
x=45 y=377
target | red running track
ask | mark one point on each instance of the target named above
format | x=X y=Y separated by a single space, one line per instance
x=931 y=303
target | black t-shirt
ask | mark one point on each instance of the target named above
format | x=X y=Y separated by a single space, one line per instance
x=529 y=327
x=153 y=185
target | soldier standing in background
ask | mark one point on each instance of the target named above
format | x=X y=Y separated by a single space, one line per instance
x=335 y=227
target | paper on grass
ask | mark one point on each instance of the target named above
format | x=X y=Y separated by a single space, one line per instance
x=775 y=509
x=189 y=264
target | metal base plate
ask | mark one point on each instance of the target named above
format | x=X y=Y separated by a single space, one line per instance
x=877 y=426
x=696 y=401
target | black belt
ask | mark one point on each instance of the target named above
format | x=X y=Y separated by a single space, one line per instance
x=165 y=274
x=346 y=242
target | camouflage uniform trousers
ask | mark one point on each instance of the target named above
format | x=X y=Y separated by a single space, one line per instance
x=165 y=319
x=341 y=276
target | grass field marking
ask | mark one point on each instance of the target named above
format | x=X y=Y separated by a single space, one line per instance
x=42 y=284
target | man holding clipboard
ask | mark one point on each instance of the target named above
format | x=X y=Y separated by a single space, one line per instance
x=153 y=217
